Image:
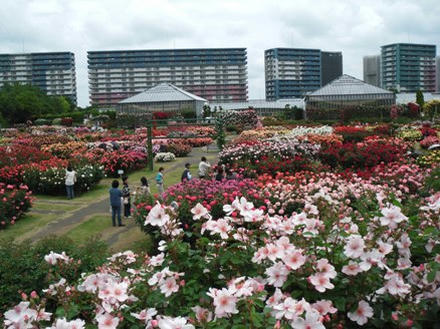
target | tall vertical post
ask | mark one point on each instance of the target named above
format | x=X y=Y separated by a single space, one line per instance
x=150 y=146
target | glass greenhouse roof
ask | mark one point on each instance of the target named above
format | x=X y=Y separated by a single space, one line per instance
x=164 y=92
x=348 y=85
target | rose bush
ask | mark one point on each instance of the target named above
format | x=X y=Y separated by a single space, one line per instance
x=164 y=157
x=14 y=203
x=272 y=271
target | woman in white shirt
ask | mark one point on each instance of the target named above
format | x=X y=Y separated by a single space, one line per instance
x=204 y=167
x=70 y=182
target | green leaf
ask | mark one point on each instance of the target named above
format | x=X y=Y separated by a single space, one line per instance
x=431 y=276
x=340 y=303
x=60 y=312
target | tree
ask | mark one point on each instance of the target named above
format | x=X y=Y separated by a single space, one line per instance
x=206 y=112
x=419 y=98
x=432 y=109
x=20 y=103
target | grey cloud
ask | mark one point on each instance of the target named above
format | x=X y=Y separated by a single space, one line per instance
x=355 y=27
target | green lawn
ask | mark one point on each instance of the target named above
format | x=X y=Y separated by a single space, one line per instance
x=93 y=226
x=26 y=225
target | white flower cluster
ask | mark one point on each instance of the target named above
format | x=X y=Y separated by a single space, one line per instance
x=165 y=157
x=303 y=131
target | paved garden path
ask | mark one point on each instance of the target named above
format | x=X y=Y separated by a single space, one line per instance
x=100 y=207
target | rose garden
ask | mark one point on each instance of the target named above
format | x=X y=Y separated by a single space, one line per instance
x=321 y=226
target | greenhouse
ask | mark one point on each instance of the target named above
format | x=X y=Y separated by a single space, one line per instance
x=164 y=97
x=348 y=97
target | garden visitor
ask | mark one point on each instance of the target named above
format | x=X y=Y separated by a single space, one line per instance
x=70 y=182
x=159 y=182
x=230 y=174
x=144 y=189
x=204 y=167
x=126 y=197
x=186 y=175
x=220 y=174
x=115 y=202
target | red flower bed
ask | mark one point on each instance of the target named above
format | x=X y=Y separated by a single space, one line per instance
x=360 y=155
x=14 y=202
x=428 y=131
x=20 y=154
x=122 y=160
x=352 y=134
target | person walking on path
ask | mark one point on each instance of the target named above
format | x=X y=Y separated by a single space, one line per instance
x=70 y=182
x=126 y=197
x=204 y=167
x=160 y=182
x=186 y=175
x=115 y=202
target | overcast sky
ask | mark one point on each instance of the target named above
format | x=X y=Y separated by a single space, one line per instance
x=355 y=27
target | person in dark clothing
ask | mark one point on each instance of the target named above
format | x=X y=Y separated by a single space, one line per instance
x=219 y=177
x=126 y=197
x=230 y=175
x=186 y=175
x=115 y=202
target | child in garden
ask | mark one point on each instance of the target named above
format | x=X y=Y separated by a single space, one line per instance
x=126 y=197
x=115 y=202
x=159 y=182
x=186 y=175
x=144 y=189
x=70 y=182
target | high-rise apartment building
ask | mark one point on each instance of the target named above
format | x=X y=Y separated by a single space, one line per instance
x=408 y=67
x=331 y=66
x=372 y=70
x=294 y=72
x=217 y=74
x=53 y=73
x=437 y=74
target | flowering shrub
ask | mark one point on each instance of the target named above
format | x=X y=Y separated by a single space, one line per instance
x=352 y=134
x=200 y=141
x=430 y=159
x=164 y=157
x=246 y=153
x=65 y=150
x=67 y=121
x=122 y=160
x=178 y=148
x=17 y=154
x=272 y=271
x=14 y=203
x=429 y=141
x=369 y=153
x=242 y=120
x=40 y=140
x=302 y=131
x=410 y=134
x=162 y=115
x=52 y=180
x=262 y=133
